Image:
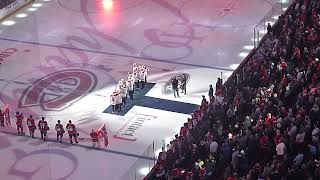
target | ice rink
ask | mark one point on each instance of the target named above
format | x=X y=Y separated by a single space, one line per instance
x=62 y=59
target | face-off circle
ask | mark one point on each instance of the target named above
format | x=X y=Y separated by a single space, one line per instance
x=99 y=6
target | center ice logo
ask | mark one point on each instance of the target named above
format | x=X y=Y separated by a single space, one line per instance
x=55 y=91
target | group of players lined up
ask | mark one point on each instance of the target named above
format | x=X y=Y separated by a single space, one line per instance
x=42 y=126
x=136 y=80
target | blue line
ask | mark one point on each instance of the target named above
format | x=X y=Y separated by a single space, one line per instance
x=84 y=146
x=115 y=54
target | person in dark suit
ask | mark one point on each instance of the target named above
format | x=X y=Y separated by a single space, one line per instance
x=210 y=93
x=184 y=84
x=175 y=84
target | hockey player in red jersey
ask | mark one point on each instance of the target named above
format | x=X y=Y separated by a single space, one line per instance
x=71 y=128
x=7 y=115
x=43 y=127
x=31 y=125
x=19 y=123
x=1 y=118
x=95 y=139
x=60 y=131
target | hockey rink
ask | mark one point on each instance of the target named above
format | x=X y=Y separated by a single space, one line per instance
x=63 y=58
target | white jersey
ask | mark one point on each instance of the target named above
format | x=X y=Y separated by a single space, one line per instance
x=136 y=77
x=113 y=100
x=146 y=72
x=123 y=91
x=142 y=76
x=118 y=99
x=130 y=77
x=135 y=69
x=129 y=85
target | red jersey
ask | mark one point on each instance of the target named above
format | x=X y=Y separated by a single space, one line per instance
x=43 y=126
x=176 y=172
x=264 y=142
x=19 y=119
x=31 y=124
x=94 y=136
x=7 y=115
x=202 y=173
x=59 y=128
x=71 y=128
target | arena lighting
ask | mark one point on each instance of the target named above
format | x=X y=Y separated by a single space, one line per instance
x=243 y=54
x=107 y=4
x=32 y=9
x=46 y=0
x=8 y=23
x=21 y=15
x=248 y=47
x=36 y=5
x=144 y=171
x=234 y=66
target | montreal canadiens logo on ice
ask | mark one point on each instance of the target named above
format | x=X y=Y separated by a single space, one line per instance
x=58 y=90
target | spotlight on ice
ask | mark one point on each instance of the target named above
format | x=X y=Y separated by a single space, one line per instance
x=107 y=4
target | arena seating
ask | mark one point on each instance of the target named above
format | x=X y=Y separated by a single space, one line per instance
x=264 y=121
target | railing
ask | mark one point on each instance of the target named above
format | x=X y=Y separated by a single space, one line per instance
x=143 y=166
x=259 y=37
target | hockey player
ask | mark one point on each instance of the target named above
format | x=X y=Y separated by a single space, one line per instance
x=60 y=131
x=136 y=78
x=19 y=123
x=1 y=118
x=113 y=101
x=72 y=131
x=142 y=78
x=134 y=67
x=118 y=101
x=130 y=88
x=131 y=78
x=95 y=139
x=31 y=125
x=123 y=92
x=145 y=74
x=44 y=128
x=7 y=115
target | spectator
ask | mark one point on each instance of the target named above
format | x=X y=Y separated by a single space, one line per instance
x=271 y=106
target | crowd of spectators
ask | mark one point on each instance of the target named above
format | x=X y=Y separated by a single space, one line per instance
x=4 y=3
x=264 y=122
